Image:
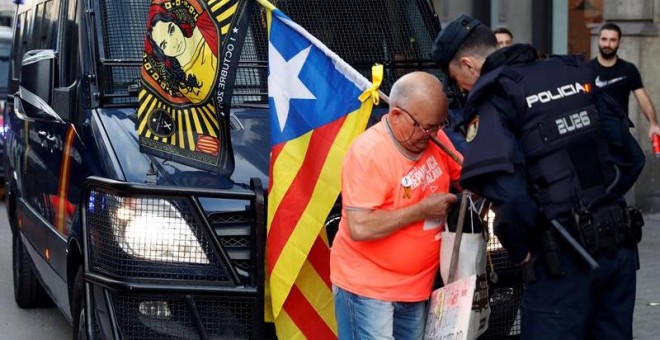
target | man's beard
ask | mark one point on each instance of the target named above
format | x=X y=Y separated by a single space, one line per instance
x=608 y=55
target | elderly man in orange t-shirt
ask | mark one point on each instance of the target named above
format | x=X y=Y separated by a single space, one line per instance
x=395 y=185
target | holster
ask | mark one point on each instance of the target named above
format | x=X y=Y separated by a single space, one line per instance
x=634 y=222
x=551 y=252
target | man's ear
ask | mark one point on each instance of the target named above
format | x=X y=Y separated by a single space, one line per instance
x=470 y=65
x=466 y=63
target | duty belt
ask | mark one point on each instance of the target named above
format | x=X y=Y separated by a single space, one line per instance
x=603 y=230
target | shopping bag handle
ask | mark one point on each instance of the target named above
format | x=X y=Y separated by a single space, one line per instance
x=457 y=240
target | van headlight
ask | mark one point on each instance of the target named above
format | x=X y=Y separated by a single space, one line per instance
x=154 y=229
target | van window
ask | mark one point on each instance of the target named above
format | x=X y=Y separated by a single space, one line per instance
x=19 y=44
x=26 y=34
x=69 y=64
x=37 y=30
x=48 y=24
x=5 y=49
x=398 y=34
x=123 y=24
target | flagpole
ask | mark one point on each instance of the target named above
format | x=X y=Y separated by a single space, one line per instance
x=267 y=4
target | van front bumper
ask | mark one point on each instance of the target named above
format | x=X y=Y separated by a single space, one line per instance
x=127 y=310
x=173 y=263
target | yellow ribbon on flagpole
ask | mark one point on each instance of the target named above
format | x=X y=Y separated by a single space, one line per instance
x=377 y=79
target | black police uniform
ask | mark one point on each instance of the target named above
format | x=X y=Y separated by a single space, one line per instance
x=542 y=146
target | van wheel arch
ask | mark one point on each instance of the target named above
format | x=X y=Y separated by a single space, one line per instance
x=78 y=307
x=74 y=263
x=28 y=290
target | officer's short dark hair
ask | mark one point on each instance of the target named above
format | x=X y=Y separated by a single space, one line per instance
x=610 y=26
x=463 y=36
x=503 y=30
x=481 y=43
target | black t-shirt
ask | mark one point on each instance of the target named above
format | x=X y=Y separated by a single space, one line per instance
x=617 y=81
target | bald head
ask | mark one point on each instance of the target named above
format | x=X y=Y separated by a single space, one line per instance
x=418 y=109
x=419 y=87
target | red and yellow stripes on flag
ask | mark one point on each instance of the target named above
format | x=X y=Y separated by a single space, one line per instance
x=307 y=172
x=62 y=201
x=305 y=180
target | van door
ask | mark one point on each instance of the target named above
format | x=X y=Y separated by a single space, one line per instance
x=44 y=169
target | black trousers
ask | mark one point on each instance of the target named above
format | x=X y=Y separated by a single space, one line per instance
x=582 y=304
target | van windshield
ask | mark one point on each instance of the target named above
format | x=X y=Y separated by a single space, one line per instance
x=396 y=33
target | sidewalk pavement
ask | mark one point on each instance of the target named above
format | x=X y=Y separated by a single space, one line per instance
x=646 y=322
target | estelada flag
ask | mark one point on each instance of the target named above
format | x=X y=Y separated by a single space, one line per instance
x=318 y=105
x=183 y=104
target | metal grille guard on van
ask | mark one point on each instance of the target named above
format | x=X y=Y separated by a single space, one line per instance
x=157 y=265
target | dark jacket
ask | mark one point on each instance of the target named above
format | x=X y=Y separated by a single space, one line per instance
x=495 y=159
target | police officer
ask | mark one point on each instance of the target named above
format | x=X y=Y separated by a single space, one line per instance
x=546 y=150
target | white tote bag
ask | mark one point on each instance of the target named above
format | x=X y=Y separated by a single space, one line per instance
x=450 y=310
x=471 y=266
x=460 y=315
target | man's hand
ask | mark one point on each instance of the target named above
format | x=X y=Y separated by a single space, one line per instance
x=437 y=206
x=654 y=129
x=527 y=258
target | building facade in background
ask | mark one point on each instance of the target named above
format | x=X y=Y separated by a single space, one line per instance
x=7 y=8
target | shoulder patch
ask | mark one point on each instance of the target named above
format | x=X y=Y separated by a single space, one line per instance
x=472 y=129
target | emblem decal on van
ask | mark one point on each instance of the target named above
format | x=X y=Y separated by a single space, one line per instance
x=191 y=52
x=161 y=123
x=207 y=144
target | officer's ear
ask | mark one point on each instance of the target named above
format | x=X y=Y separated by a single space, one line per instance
x=470 y=64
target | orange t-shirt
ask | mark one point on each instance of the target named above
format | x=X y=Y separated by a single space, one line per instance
x=377 y=175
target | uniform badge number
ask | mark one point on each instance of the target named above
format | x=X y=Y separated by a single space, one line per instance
x=472 y=130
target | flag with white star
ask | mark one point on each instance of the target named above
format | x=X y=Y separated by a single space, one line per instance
x=189 y=64
x=315 y=115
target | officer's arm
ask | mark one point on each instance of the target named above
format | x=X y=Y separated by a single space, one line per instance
x=493 y=168
x=515 y=212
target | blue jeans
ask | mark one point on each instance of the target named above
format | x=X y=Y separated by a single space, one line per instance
x=359 y=317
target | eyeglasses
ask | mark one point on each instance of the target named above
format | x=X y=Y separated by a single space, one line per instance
x=430 y=130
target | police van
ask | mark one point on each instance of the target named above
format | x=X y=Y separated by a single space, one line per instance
x=129 y=245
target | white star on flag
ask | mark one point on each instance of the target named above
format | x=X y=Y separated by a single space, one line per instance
x=283 y=81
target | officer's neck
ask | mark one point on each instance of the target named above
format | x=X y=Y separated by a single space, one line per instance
x=607 y=62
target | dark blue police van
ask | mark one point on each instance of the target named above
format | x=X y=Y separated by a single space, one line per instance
x=133 y=246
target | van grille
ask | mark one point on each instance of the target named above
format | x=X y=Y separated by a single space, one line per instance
x=220 y=317
x=233 y=230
